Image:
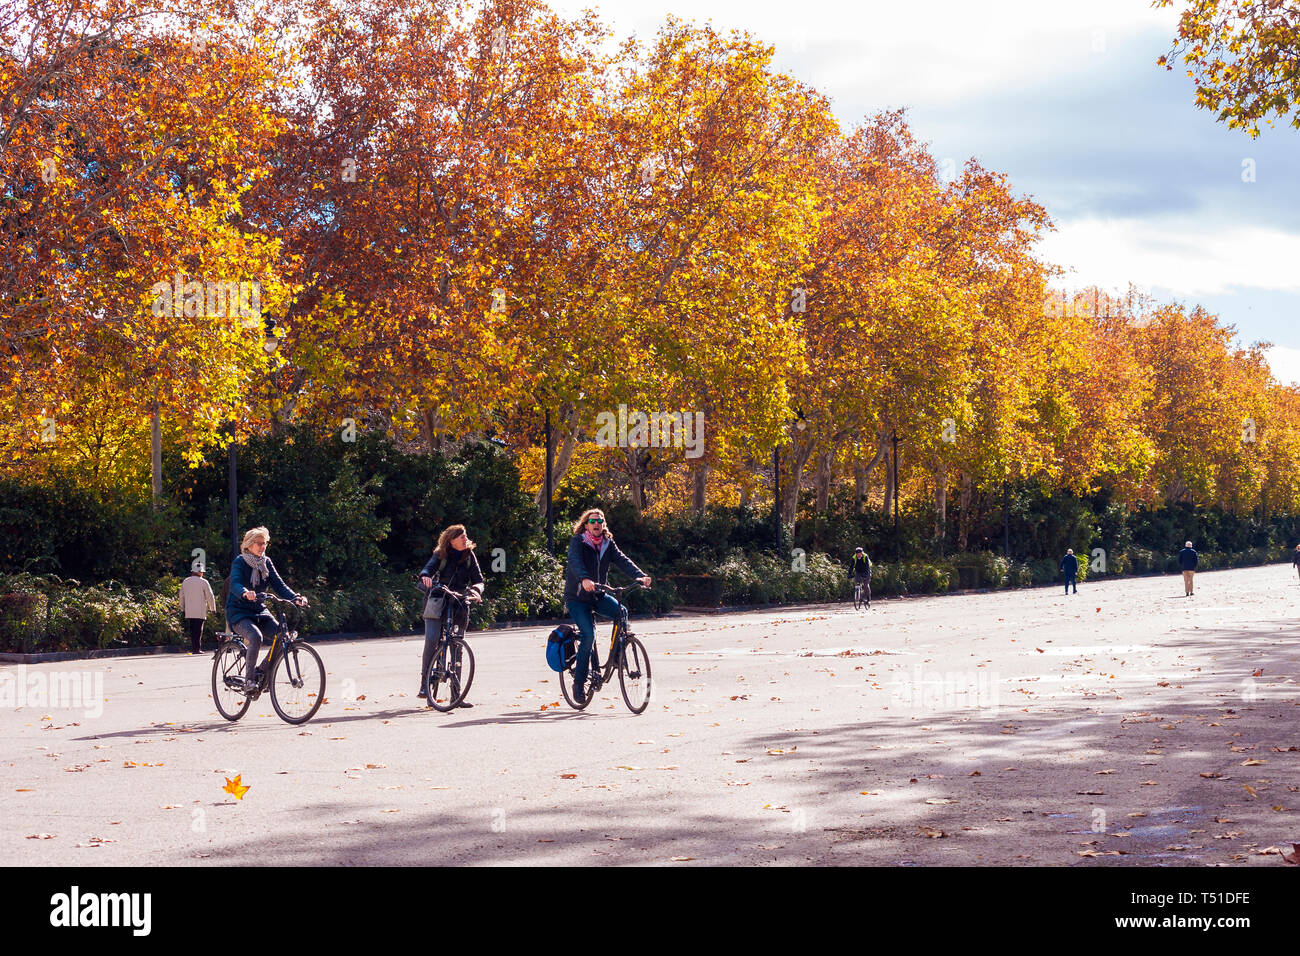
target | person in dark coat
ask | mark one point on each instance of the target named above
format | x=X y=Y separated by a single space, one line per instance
x=251 y=576
x=454 y=567
x=591 y=552
x=1187 y=559
x=1295 y=558
x=1070 y=567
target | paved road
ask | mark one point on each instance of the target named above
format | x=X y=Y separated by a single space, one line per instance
x=1016 y=727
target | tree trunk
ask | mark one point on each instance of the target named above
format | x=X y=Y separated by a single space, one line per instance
x=797 y=460
x=155 y=450
x=632 y=460
x=862 y=477
x=700 y=479
x=889 y=480
x=824 y=463
x=964 y=516
x=431 y=425
x=940 y=501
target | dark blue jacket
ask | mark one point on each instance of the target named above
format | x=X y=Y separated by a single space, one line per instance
x=1187 y=559
x=241 y=576
x=583 y=563
x=1070 y=564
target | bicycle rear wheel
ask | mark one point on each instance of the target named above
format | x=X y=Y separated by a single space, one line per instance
x=450 y=675
x=634 y=675
x=566 y=684
x=228 y=665
x=298 y=683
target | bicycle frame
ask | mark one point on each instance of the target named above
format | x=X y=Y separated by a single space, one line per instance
x=619 y=633
x=281 y=640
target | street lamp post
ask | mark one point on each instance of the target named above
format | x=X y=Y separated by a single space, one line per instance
x=270 y=342
x=550 y=464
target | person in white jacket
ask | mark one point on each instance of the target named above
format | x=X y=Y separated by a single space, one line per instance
x=196 y=602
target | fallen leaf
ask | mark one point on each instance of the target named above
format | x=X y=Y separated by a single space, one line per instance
x=932 y=833
x=235 y=787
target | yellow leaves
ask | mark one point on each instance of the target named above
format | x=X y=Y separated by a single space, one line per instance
x=235 y=787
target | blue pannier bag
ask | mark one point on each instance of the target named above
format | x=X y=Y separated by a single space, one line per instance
x=562 y=647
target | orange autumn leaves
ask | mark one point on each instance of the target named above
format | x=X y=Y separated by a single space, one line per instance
x=462 y=217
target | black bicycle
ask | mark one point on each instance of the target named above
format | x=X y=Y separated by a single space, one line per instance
x=292 y=670
x=861 y=587
x=451 y=672
x=626 y=654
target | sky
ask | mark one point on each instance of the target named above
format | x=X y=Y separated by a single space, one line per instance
x=1066 y=98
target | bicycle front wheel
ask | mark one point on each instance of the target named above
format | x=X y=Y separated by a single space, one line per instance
x=634 y=675
x=227 y=673
x=298 y=684
x=857 y=597
x=450 y=675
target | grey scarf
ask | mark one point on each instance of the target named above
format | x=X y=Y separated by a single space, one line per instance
x=258 y=564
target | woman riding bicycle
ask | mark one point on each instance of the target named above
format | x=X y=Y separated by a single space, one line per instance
x=246 y=613
x=454 y=567
x=591 y=551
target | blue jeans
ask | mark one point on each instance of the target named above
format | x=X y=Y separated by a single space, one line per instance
x=584 y=616
x=252 y=630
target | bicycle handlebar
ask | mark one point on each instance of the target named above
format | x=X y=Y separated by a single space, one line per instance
x=607 y=589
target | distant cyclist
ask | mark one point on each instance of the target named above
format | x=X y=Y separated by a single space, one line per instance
x=453 y=566
x=860 y=573
x=246 y=614
x=591 y=551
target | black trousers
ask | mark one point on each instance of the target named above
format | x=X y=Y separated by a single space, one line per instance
x=195 y=627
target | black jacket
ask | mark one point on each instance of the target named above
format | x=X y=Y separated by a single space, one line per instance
x=1187 y=559
x=462 y=571
x=1070 y=564
x=862 y=567
x=583 y=563
x=1295 y=557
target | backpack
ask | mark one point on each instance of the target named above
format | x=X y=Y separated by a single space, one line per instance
x=562 y=647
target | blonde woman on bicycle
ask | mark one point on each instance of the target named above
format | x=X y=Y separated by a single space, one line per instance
x=246 y=614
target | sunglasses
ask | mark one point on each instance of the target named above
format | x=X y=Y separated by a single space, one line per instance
x=595 y=521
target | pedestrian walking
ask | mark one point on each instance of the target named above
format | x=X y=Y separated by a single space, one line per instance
x=1295 y=558
x=1070 y=568
x=196 y=602
x=1187 y=559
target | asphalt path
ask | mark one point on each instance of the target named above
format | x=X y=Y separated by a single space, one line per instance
x=1124 y=725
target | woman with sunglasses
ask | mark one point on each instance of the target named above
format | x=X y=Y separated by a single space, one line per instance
x=454 y=566
x=591 y=551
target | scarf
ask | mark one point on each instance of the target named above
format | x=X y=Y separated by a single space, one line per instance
x=594 y=540
x=258 y=564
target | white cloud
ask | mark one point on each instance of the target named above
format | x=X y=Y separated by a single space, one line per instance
x=911 y=54
x=1285 y=363
x=1188 y=257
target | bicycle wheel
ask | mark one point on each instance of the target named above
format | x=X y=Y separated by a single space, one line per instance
x=857 y=597
x=298 y=684
x=566 y=684
x=450 y=675
x=228 y=665
x=634 y=675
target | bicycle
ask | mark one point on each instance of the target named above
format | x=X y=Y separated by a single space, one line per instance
x=859 y=588
x=292 y=670
x=626 y=654
x=453 y=661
